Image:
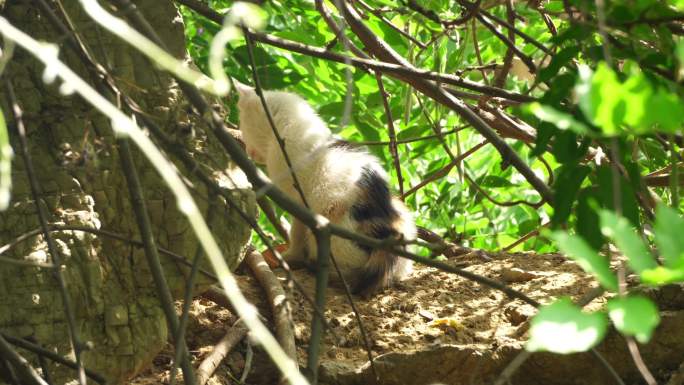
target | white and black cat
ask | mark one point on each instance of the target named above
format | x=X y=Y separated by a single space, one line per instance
x=343 y=183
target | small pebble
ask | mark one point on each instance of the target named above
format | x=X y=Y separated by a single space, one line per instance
x=426 y=315
x=517 y=275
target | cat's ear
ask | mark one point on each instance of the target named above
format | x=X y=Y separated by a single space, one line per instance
x=243 y=89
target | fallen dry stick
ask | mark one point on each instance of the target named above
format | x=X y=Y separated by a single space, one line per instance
x=277 y=301
x=220 y=351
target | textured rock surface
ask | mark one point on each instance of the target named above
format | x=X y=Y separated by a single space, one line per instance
x=78 y=167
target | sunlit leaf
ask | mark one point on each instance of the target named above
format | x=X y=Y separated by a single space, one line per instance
x=563 y=328
x=668 y=236
x=599 y=98
x=560 y=119
x=662 y=275
x=589 y=260
x=627 y=239
x=634 y=316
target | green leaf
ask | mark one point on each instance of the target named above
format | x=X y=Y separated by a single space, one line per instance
x=630 y=207
x=589 y=260
x=558 y=60
x=494 y=181
x=5 y=164
x=599 y=96
x=587 y=224
x=634 y=315
x=626 y=238
x=567 y=184
x=662 y=276
x=566 y=149
x=560 y=119
x=679 y=52
x=665 y=110
x=668 y=236
x=563 y=328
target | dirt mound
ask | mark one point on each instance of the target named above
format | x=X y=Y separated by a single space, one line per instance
x=438 y=327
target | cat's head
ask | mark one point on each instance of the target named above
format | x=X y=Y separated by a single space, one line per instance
x=256 y=131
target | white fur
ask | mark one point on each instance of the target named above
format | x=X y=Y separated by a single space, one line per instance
x=327 y=175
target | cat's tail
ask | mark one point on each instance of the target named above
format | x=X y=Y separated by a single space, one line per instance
x=381 y=270
x=384 y=267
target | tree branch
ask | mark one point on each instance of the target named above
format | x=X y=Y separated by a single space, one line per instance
x=380 y=49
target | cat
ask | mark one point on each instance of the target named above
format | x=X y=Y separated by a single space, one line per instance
x=340 y=181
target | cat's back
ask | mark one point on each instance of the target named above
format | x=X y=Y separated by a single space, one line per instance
x=340 y=177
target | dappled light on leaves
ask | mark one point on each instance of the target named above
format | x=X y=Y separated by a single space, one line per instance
x=563 y=328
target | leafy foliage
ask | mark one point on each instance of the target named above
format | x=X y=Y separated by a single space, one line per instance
x=603 y=127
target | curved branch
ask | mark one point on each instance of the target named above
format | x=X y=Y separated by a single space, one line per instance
x=383 y=51
x=276 y=300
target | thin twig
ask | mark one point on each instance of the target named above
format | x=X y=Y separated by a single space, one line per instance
x=674 y=175
x=25 y=373
x=187 y=297
x=476 y=48
x=277 y=300
x=389 y=68
x=26 y=263
x=383 y=51
x=52 y=356
x=509 y=25
x=411 y=140
x=511 y=45
x=525 y=237
x=357 y=316
x=281 y=143
x=339 y=32
x=384 y=19
x=391 y=132
x=322 y=269
x=249 y=355
x=208 y=366
x=57 y=228
x=512 y=367
x=502 y=75
x=37 y=195
x=152 y=256
x=484 y=193
x=42 y=361
x=445 y=170
x=608 y=366
x=270 y=214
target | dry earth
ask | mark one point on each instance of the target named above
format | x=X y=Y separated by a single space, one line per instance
x=433 y=326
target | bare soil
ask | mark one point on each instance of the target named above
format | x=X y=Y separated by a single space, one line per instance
x=429 y=311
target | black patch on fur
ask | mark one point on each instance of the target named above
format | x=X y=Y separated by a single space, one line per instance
x=378 y=202
x=380 y=231
x=367 y=282
x=372 y=279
